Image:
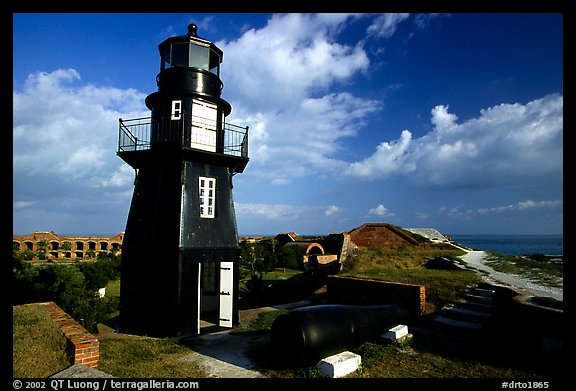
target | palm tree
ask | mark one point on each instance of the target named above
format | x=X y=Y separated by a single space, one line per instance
x=65 y=247
x=42 y=249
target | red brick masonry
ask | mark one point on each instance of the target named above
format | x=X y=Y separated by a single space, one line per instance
x=350 y=290
x=83 y=345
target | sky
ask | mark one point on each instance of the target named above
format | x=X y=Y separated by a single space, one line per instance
x=446 y=121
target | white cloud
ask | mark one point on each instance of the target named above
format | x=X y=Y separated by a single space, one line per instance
x=65 y=136
x=267 y=211
x=332 y=210
x=520 y=206
x=277 y=66
x=282 y=212
x=68 y=130
x=279 y=84
x=122 y=177
x=443 y=121
x=388 y=159
x=22 y=204
x=385 y=24
x=506 y=144
x=380 y=210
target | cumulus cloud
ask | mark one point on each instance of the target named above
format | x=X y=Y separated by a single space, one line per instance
x=388 y=159
x=332 y=210
x=68 y=130
x=283 y=82
x=293 y=55
x=65 y=136
x=520 y=206
x=506 y=143
x=380 y=210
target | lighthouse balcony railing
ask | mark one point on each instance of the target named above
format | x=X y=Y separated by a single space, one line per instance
x=136 y=134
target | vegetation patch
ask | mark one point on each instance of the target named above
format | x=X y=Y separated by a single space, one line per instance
x=39 y=347
x=72 y=286
x=412 y=267
x=141 y=357
x=535 y=267
x=128 y=356
x=262 y=322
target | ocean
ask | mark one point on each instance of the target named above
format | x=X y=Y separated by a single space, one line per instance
x=514 y=244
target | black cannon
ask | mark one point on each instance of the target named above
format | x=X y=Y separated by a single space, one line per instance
x=306 y=335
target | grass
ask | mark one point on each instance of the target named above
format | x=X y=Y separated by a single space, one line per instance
x=113 y=288
x=141 y=357
x=39 y=347
x=410 y=267
x=409 y=363
x=540 y=271
x=429 y=355
x=279 y=274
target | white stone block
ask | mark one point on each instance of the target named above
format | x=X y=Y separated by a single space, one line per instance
x=340 y=364
x=397 y=332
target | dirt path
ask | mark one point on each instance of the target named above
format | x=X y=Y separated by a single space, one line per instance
x=476 y=259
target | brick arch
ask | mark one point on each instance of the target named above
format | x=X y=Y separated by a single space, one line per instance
x=315 y=248
x=307 y=248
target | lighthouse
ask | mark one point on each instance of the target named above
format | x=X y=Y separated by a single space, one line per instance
x=180 y=253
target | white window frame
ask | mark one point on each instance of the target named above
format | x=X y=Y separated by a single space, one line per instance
x=207 y=196
x=176 y=113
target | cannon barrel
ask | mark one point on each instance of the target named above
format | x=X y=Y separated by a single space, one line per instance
x=305 y=335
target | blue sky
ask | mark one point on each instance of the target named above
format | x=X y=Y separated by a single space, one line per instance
x=450 y=121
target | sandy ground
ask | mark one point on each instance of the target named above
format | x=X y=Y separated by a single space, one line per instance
x=475 y=259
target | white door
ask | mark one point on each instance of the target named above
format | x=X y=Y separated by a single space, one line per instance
x=204 y=116
x=226 y=299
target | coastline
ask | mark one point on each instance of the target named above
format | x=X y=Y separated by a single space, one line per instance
x=475 y=260
x=513 y=244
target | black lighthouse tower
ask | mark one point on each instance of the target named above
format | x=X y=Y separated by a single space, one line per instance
x=180 y=251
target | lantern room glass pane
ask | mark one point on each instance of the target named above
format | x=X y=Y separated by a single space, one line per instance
x=179 y=55
x=215 y=61
x=199 y=56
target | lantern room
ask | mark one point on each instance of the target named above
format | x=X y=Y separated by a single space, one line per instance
x=190 y=51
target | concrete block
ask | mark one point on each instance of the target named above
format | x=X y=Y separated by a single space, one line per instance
x=340 y=364
x=396 y=332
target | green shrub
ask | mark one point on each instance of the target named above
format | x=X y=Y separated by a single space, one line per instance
x=72 y=286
